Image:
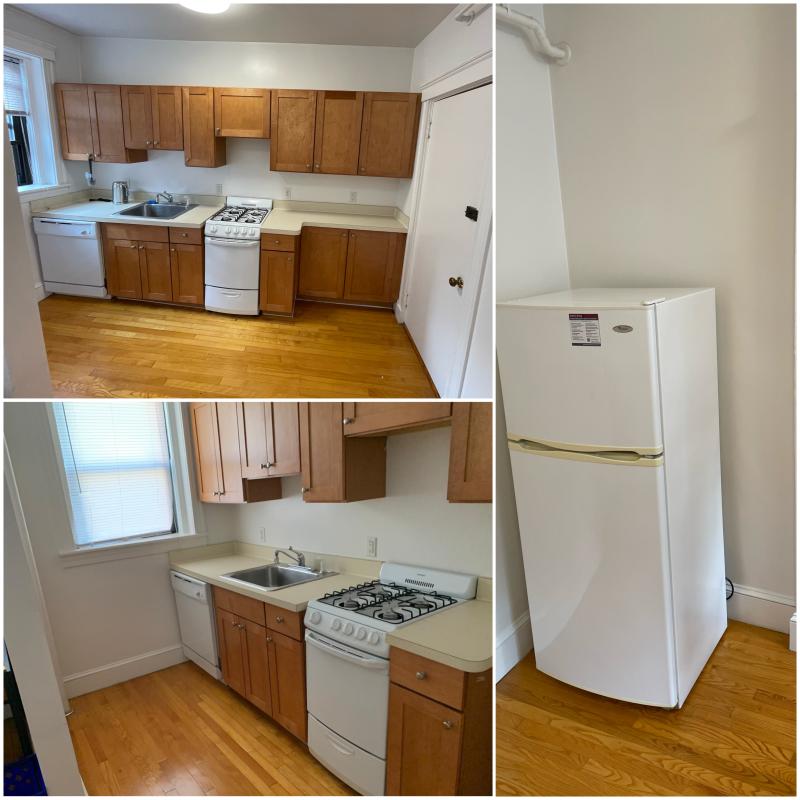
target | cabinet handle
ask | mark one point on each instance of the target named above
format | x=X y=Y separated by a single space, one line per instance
x=447 y=724
x=347 y=421
x=267 y=465
x=279 y=619
x=421 y=675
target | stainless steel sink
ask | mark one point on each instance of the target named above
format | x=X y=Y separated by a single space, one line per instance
x=276 y=576
x=157 y=210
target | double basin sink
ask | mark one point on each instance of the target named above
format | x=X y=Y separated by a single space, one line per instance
x=276 y=576
x=157 y=210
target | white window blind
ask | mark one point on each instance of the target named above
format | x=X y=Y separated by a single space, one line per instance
x=14 y=100
x=118 y=469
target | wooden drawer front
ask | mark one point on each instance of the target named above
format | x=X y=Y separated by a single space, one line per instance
x=186 y=235
x=240 y=605
x=280 y=620
x=141 y=233
x=279 y=241
x=437 y=681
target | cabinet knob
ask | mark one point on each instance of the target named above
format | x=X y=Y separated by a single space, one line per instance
x=267 y=465
x=447 y=724
x=269 y=638
x=173 y=250
x=184 y=235
x=278 y=619
x=234 y=623
x=316 y=166
x=363 y=169
x=347 y=421
x=156 y=142
x=148 y=143
x=141 y=247
x=304 y=490
x=133 y=246
x=344 y=235
x=456 y=282
x=217 y=132
x=308 y=166
x=421 y=675
x=241 y=626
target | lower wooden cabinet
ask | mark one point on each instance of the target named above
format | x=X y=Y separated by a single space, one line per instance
x=156 y=272
x=471 y=445
x=123 y=273
x=323 y=262
x=186 y=264
x=287 y=670
x=277 y=282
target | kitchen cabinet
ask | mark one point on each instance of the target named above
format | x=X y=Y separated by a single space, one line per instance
x=471 y=447
x=231 y=647
x=338 y=132
x=269 y=439
x=278 y=274
x=335 y=468
x=137 y=116
x=323 y=262
x=123 y=273
x=374 y=266
x=389 y=134
x=186 y=265
x=91 y=125
x=287 y=672
x=201 y=148
x=156 y=271
x=293 y=121
x=242 y=113
x=152 y=117
x=367 y=419
x=440 y=730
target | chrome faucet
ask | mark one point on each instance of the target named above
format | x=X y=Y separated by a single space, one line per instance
x=166 y=195
x=292 y=553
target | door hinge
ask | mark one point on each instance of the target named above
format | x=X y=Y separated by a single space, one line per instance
x=471 y=213
x=430 y=125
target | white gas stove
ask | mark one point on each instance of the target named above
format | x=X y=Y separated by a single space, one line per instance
x=240 y=219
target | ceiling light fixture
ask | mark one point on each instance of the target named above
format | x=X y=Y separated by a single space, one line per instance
x=207 y=6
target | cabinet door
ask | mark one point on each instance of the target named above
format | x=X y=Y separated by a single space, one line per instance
x=389 y=134
x=242 y=112
x=186 y=262
x=201 y=148
x=368 y=418
x=283 y=438
x=156 y=271
x=323 y=262
x=253 y=440
x=167 y=117
x=105 y=114
x=122 y=268
x=287 y=674
x=322 y=452
x=72 y=102
x=257 y=683
x=137 y=116
x=338 y=132
x=277 y=282
x=229 y=457
x=293 y=117
x=374 y=266
x=471 y=447
x=423 y=753
x=206 y=450
x=230 y=638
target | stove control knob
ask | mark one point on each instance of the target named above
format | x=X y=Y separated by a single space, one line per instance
x=361 y=634
x=348 y=629
x=314 y=617
x=374 y=638
x=228 y=229
x=336 y=624
x=211 y=228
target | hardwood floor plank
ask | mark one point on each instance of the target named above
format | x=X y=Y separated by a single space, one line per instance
x=735 y=735
x=99 y=348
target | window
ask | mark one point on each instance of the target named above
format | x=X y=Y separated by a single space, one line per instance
x=118 y=469
x=17 y=109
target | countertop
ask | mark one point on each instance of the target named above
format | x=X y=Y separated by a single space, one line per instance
x=290 y=221
x=460 y=637
x=100 y=211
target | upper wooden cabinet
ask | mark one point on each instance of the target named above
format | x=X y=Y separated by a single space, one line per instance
x=368 y=419
x=201 y=147
x=269 y=439
x=338 y=132
x=216 y=441
x=374 y=266
x=471 y=450
x=90 y=123
x=336 y=469
x=152 y=117
x=389 y=134
x=293 y=121
x=137 y=116
x=242 y=113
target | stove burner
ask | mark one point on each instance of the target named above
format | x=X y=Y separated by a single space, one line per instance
x=248 y=216
x=419 y=602
x=389 y=615
x=348 y=604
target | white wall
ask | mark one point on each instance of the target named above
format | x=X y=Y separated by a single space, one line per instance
x=676 y=143
x=531 y=259
x=247 y=64
x=414 y=523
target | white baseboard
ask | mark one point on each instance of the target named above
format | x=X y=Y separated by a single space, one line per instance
x=39 y=292
x=758 y=607
x=107 y=675
x=512 y=645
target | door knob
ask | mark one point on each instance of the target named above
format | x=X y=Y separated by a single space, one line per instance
x=457 y=282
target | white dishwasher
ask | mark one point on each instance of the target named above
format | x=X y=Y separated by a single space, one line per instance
x=71 y=255
x=196 y=619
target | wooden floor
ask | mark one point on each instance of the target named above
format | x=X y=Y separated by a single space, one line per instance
x=117 y=348
x=735 y=735
x=179 y=731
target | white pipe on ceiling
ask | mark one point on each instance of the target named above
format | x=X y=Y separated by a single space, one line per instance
x=534 y=31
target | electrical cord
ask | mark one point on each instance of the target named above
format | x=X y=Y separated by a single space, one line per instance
x=729 y=592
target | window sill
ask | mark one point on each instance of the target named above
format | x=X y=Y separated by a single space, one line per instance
x=80 y=557
x=29 y=193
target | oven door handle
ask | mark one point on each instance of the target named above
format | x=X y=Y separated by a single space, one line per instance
x=232 y=242
x=367 y=662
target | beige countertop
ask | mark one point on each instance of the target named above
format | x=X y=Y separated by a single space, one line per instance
x=100 y=211
x=460 y=637
x=291 y=221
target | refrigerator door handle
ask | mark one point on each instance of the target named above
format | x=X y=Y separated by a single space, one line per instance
x=627 y=458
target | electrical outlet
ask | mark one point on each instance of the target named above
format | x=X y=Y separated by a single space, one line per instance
x=262 y=533
x=219 y=190
x=372 y=546
x=287 y=192
x=353 y=197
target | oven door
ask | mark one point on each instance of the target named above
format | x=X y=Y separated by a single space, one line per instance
x=231 y=263
x=348 y=692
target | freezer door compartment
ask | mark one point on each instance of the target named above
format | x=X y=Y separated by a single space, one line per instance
x=595 y=550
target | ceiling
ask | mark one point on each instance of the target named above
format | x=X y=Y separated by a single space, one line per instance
x=397 y=25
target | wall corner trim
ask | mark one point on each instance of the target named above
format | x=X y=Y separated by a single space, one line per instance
x=512 y=644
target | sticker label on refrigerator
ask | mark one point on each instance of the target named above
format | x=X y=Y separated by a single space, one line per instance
x=584 y=330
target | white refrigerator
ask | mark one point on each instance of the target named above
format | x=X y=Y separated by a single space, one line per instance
x=611 y=408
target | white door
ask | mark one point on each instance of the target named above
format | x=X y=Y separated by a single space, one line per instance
x=604 y=396
x=594 y=547
x=447 y=243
